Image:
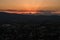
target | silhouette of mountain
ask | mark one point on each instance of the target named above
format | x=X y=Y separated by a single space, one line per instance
x=20 y=18
x=49 y=29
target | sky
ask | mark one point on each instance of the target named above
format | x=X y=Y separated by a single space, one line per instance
x=30 y=4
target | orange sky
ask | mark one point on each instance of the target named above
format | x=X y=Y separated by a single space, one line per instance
x=30 y=4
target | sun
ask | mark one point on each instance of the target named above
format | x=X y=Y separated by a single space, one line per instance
x=30 y=7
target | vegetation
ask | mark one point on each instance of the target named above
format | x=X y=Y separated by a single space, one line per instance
x=16 y=31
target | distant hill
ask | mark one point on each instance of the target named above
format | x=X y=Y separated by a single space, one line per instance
x=20 y=18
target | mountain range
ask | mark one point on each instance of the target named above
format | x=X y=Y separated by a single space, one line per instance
x=21 y=18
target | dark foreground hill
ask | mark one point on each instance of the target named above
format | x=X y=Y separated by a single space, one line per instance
x=15 y=18
x=29 y=27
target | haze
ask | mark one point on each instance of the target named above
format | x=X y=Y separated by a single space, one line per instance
x=30 y=4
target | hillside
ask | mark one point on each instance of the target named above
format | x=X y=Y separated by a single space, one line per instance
x=14 y=18
x=29 y=27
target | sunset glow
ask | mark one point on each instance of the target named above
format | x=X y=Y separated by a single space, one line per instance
x=30 y=5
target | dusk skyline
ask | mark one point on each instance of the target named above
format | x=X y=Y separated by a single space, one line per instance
x=30 y=4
